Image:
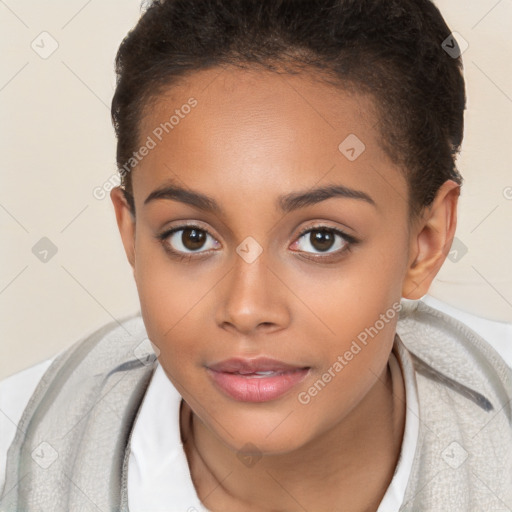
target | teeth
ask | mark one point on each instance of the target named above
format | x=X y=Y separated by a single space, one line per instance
x=256 y=373
x=270 y=372
x=266 y=373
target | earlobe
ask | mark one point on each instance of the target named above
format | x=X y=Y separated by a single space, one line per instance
x=125 y=223
x=431 y=240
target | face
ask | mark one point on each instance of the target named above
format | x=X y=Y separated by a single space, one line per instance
x=238 y=266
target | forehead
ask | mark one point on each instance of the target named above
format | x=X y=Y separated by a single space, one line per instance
x=255 y=133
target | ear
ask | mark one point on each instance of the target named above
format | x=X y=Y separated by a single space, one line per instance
x=430 y=241
x=125 y=223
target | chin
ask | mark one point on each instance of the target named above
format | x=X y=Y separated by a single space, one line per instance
x=263 y=435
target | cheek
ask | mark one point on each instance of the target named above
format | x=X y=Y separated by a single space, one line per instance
x=355 y=310
x=172 y=315
x=352 y=357
x=170 y=295
x=350 y=296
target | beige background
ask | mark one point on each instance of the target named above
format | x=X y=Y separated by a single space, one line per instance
x=57 y=145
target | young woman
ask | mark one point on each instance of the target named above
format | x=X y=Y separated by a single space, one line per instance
x=289 y=191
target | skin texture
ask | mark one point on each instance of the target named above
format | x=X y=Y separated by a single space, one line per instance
x=252 y=137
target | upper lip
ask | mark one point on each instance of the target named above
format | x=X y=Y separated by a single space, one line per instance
x=259 y=364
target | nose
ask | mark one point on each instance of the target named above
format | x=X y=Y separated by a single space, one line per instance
x=253 y=298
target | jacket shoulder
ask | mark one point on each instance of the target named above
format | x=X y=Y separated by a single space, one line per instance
x=447 y=350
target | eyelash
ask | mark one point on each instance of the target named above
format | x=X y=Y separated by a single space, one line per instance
x=349 y=240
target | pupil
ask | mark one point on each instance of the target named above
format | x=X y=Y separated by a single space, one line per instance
x=192 y=238
x=321 y=240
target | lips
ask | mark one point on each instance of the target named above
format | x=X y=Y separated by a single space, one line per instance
x=256 y=380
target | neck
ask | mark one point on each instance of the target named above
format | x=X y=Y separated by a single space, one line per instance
x=352 y=464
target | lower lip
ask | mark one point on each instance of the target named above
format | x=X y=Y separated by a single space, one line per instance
x=257 y=389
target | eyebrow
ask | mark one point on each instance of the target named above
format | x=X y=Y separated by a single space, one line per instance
x=286 y=203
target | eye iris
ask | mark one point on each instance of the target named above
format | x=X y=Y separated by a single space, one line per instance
x=193 y=239
x=321 y=239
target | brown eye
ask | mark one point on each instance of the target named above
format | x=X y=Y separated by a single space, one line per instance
x=193 y=239
x=187 y=240
x=321 y=239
